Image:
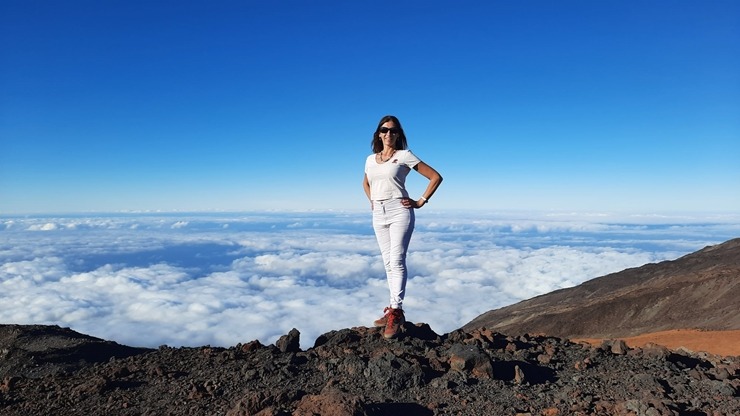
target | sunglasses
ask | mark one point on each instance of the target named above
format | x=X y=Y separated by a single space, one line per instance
x=393 y=130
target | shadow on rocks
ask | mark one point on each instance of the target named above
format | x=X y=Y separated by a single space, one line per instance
x=533 y=374
x=684 y=361
x=419 y=331
x=394 y=409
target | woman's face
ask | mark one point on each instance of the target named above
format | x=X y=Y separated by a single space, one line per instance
x=388 y=133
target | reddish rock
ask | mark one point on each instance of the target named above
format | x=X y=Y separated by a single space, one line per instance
x=618 y=347
x=518 y=375
x=289 y=342
x=331 y=402
x=251 y=346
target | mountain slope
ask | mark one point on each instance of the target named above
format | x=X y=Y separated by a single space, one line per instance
x=700 y=290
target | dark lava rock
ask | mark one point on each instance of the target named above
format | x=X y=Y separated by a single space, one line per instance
x=50 y=371
x=38 y=350
x=290 y=342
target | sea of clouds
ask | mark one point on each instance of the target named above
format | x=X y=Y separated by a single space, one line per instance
x=148 y=279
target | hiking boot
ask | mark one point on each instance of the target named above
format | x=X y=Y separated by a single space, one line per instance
x=395 y=320
x=381 y=322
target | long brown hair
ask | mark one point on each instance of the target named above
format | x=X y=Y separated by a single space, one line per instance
x=377 y=144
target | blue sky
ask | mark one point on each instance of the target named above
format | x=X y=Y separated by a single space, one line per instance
x=253 y=105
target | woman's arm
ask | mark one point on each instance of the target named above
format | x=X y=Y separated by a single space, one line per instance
x=434 y=180
x=366 y=187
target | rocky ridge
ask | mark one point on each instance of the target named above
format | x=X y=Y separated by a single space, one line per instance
x=357 y=372
x=698 y=291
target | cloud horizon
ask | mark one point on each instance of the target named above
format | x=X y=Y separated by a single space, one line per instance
x=224 y=278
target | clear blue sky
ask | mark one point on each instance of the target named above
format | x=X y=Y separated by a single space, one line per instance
x=242 y=105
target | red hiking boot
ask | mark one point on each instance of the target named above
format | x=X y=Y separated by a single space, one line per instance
x=393 y=325
x=381 y=322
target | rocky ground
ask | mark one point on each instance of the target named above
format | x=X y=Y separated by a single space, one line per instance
x=46 y=370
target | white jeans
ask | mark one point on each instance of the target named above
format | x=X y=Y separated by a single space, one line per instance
x=393 y=224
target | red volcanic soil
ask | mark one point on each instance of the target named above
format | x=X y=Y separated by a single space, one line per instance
x=725 y=343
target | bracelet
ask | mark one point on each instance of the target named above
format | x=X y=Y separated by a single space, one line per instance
x=425 y=200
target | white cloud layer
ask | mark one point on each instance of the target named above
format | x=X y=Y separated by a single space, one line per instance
x=221 y=279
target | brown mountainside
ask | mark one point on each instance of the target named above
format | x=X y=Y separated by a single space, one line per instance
x=700 y=290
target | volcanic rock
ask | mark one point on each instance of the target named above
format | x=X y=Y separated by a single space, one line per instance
x=356 y=371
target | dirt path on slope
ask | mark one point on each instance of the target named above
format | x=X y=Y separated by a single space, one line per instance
x=723 y=343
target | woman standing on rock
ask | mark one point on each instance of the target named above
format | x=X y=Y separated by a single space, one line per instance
x=393 y=211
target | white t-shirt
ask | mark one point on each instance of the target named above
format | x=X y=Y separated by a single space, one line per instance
x=388 y=179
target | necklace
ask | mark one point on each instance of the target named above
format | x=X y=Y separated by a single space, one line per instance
x=380 y=154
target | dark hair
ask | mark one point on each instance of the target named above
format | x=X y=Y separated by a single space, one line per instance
x=377 y=144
